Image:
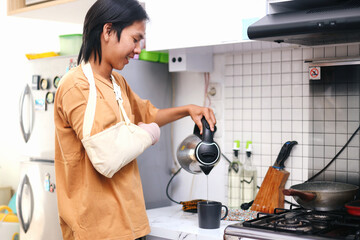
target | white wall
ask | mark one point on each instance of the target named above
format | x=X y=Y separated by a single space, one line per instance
x=20 y=36
x=189 y=89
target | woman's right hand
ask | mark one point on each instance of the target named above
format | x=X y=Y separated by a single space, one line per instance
x=153 y=129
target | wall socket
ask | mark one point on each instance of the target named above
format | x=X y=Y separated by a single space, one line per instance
x=214 y=91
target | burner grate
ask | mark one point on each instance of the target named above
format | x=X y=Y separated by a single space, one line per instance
x=307 y=222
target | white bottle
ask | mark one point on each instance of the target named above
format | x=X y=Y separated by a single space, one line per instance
x=234 y=178
x=249 y=181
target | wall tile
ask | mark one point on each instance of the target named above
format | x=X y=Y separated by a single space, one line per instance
x=238 y=81
x=297 y=66
x=353 y=50
x=238 y=59
x=286 y=55
x=247 y=80
x=286 y=102
x=256 y=68
x=307 y=53
x=276 y=67
x=341 y=114
x=238 y=70
x=286 y=67
x=276 y=126
x=256 y=57
x=353 y=114
x=297 y=78
x=330 y=52
x=330 y=139
x=276 y=79
x=256 y=80
x=276 y=56
x=276 y=102
x=247 y=58
x=247 y=69
x=286 y=79
x=341 y=51
x=296 y=101
x=266 y=80
x=266 y=57
x=353 y=101
x=297 y=54
x=319 y=52
x=266 y=68
x=229 y=81
x=266 y=91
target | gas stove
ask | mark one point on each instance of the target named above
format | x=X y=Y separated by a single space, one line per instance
x=297 y=224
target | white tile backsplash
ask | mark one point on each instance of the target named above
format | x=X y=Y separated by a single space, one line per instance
x=278 y=103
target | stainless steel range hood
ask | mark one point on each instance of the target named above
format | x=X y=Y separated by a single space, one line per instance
x=333 y=24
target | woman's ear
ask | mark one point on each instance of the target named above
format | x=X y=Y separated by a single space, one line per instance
x=107 y=30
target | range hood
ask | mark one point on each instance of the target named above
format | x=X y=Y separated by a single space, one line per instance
x=334 y=24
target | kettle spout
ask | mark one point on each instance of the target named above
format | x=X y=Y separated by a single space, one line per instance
x=206 y=169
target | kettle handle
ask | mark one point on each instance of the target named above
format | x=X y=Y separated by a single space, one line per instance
x=207 y=135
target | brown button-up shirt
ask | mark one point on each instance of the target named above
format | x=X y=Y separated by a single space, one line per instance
x=90 y=205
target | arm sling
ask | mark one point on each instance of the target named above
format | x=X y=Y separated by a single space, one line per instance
x=116 y=146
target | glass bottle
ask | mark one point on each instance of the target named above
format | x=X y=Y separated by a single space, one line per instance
x=249 y=181
x=234 y=178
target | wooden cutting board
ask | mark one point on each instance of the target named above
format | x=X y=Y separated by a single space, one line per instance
x=270 y=195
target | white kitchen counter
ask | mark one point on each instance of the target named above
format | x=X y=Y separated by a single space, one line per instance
x=172 y=223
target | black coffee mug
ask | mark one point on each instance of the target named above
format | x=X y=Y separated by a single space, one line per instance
x=209 y=214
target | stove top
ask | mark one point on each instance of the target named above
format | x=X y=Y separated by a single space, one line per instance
x=298 y=224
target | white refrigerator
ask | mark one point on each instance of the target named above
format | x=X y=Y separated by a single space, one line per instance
x=36 y=195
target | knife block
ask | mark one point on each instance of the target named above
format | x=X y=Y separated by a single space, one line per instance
x=270 y=195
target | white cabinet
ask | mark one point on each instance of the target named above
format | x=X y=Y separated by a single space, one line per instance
x=71 y=11
x=187 y=23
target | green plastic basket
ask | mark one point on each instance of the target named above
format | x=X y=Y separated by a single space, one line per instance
x=70 y=44
x=164 y=58
x=149 y=56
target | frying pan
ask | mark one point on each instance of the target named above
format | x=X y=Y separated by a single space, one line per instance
x=353 y=208
x=322 y=195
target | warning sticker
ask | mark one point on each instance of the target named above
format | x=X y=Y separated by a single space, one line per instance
x=314 y=73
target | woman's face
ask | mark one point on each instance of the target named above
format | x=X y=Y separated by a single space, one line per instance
x=116 y=53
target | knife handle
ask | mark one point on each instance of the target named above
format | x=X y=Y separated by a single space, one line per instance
x=281 y=154
x=288 y=148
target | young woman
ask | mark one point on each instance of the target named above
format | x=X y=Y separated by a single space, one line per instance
x=91 y=205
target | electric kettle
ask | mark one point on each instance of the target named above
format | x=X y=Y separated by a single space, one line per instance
x=199 y=153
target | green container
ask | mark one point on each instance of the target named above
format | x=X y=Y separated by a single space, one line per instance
x=164 y=58
x=149 y=56
x=70 y=44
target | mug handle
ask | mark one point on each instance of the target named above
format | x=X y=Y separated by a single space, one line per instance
x=226 y=212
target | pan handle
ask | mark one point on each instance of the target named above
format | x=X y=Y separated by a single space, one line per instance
x=305 y=196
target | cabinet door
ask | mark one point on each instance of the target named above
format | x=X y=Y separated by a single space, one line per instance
x=188 y=23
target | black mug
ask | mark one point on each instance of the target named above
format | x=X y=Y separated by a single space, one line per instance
x=209 y=214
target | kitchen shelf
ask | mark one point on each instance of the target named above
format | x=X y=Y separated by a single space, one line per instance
x=71 y=11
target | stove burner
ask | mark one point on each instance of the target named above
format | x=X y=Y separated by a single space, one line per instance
x=319 y=216
x=294 y=225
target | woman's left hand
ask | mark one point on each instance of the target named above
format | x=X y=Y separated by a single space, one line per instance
x=197 y=112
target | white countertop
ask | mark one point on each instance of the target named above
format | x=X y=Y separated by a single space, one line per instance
x=173 y=223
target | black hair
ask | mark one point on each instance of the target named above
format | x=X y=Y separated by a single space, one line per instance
x=120 y=13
